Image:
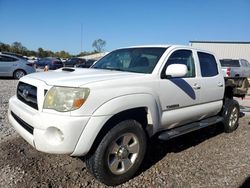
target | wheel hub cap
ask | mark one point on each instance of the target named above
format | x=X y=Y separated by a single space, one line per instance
x=233 y=117
x=123 y=152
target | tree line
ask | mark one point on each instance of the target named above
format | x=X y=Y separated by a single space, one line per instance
x=18 y=48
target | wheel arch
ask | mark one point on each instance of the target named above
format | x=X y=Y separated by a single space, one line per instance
x=147 y=115
x=13 y=74
x=127 y=103
x=139 y=114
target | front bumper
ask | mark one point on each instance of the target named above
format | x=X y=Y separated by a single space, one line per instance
x=50 y=133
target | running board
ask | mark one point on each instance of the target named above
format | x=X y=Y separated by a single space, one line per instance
x=166 y=135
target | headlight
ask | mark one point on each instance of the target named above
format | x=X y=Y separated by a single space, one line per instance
x=64 y=99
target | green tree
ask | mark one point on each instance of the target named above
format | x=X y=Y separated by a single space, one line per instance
x=85 y=53
x=44 y=53
x=49 y=53
x=99 y=45
x=62 y=54
x=4 y=47
x=17 y=47
x=40 y=52
x=31 y=53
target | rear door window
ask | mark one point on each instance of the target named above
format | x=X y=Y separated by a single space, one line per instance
x=208 y=65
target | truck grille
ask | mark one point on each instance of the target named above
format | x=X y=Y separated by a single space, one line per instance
x=27 y=94
x=25 y=125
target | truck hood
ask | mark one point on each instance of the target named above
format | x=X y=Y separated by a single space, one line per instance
x=79 y=76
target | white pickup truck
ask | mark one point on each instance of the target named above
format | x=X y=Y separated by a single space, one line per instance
x=110 y=111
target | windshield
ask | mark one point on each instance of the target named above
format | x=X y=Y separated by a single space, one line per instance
x=140 y=60
x=229 y=63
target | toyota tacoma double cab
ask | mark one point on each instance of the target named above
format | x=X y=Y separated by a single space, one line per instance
x=108 y=113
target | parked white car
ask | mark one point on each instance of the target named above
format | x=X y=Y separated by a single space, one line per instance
x=110 y=111
x=235 y=67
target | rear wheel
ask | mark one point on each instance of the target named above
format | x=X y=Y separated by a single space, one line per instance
x=231 y=114
x=19 y=74
x=120 y=153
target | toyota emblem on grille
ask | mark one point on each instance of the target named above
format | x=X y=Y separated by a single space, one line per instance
x=25 y=93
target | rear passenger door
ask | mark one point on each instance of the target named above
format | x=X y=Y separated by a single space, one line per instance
x=212 y=80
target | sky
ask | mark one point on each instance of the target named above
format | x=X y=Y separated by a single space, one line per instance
x=56 y=25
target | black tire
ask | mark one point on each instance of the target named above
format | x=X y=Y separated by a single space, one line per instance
x=231 y=114
x=19 y=73
x=101 y=164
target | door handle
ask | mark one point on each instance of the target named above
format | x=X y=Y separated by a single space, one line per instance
x=220 y=84
x=196 y=86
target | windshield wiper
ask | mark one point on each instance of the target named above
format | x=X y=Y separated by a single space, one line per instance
x=112 y=68
x=115 y=69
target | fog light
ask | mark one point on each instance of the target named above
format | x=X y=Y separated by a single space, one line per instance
x=54 y=135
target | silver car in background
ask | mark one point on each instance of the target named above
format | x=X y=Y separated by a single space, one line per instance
x=12 y=66
x=235 y=67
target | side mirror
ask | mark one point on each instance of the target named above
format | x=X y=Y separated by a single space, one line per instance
x=176 y=70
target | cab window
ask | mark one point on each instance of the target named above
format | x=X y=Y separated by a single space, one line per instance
x=208 y=65
x=184 y=57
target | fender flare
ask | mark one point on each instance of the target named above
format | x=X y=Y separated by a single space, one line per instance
x=106 y=111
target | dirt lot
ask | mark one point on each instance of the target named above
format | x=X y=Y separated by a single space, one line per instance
x=205 y=158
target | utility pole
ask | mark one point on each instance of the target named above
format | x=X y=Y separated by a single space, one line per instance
x=81 y=38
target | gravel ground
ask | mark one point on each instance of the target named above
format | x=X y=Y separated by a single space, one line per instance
x=205 y=158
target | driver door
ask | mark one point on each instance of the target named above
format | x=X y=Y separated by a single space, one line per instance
x=180 y=96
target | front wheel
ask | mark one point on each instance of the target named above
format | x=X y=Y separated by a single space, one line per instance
x=119 y=154
x=231 y=114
